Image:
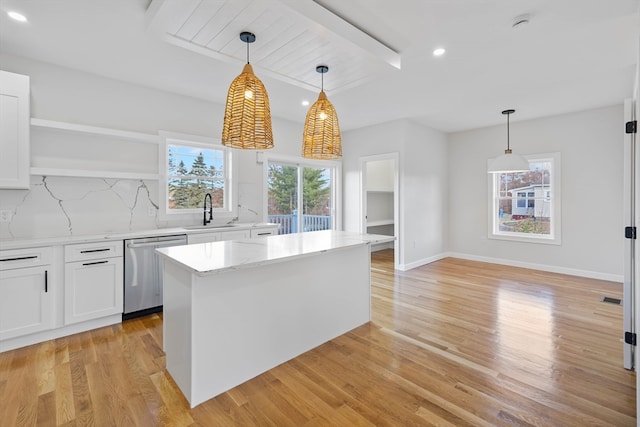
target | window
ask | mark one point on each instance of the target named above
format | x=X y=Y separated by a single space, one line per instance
x=301 y=197
x=193 y=170
x=525 y=206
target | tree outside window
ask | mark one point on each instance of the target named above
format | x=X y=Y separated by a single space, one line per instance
x=193 y=172
x=284 y=182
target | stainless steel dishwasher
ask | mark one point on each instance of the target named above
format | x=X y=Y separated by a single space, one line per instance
x=143 y=274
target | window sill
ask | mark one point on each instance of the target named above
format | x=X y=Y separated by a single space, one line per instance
x=526 y=239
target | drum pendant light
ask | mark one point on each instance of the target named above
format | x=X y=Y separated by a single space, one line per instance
x=247 y=118
x=321 y=134
x=508 y=162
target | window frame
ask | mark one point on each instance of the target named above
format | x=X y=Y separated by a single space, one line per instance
x=198 y=142
x=336 y=187
x=554 y=198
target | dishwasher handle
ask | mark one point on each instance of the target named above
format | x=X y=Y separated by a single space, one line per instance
x=162 y=242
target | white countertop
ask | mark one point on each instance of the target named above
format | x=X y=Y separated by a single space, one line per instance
x=216 y=257
x=87 y=238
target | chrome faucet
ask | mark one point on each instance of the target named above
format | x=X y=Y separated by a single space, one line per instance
x=207 y=221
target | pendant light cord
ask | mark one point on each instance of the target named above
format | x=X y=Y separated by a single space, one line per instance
x=508 y=147
x=247 y=52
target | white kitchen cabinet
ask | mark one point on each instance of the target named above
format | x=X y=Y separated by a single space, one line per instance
x=232 y=234
x=235 y=235
x=27 y=299
x=202 y=237
x=93 y=284
x=262 y=232
x=14 y=131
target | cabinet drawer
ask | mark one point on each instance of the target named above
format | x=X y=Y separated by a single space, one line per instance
x=235 y=235
x=21 y=258
x=203 y=238
x=261 y=232
x=89 y=251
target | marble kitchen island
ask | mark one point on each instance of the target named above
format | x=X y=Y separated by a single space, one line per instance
x=235 y=309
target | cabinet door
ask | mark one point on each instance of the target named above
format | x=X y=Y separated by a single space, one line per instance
x=92 y=289
x=235 y=235
x=26 y=302
x=202 y=238
x=14 y=130
x=261 y=232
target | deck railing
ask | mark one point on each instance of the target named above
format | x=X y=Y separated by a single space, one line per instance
x=289 y=223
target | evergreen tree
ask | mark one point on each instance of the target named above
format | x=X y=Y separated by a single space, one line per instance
x=316 y=193
x=283 y=181
x=282 y=189
x=180 y=193
x=199 y=167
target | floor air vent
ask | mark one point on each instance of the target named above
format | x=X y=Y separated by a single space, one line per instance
x=610 y=300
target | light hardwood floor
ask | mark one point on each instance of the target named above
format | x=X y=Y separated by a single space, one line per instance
x=453 y=343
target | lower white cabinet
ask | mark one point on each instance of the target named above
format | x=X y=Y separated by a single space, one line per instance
x=93 y=287
x=235 y=235
x=27 y=298
x=261 y=232
x=202 y=237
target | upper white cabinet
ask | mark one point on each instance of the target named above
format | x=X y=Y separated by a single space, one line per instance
x=14 y=130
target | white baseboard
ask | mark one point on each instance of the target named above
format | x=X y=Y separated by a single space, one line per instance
x=512 y=263
x=38 y=337
x=381 y=246
x=541 y=267
x=424 y=261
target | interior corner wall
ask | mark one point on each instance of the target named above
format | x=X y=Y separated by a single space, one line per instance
x=591 y=147
x=422 y=185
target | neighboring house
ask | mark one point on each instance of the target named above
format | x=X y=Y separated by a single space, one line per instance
x=531 y=201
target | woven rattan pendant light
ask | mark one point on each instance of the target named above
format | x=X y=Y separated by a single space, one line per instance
x=321 y=134
x=247 y=119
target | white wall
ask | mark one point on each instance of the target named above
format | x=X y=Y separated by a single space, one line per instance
x=71 y=96
x=423 y=185
x=591 y=146
x=380 y=175
x=432 y=166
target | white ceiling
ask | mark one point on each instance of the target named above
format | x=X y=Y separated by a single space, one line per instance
x=573 y=55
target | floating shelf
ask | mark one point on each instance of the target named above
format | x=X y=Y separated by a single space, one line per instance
x=380 y=222
x=72 y=127
x=110 y=141
x=78 y=173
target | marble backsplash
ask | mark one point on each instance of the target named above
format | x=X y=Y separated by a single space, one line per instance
x=68 y=206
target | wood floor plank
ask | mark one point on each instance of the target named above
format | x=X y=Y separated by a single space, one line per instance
x=451 y=343
x=65 y=409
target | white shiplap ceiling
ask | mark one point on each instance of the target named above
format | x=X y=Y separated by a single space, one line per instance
x=574 y=55
x=293 y=37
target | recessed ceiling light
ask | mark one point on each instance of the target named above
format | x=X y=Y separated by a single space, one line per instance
x=17 y=16
x=439 y=51
x=305 y=103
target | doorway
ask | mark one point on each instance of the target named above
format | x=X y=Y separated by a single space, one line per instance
x=379 y=195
